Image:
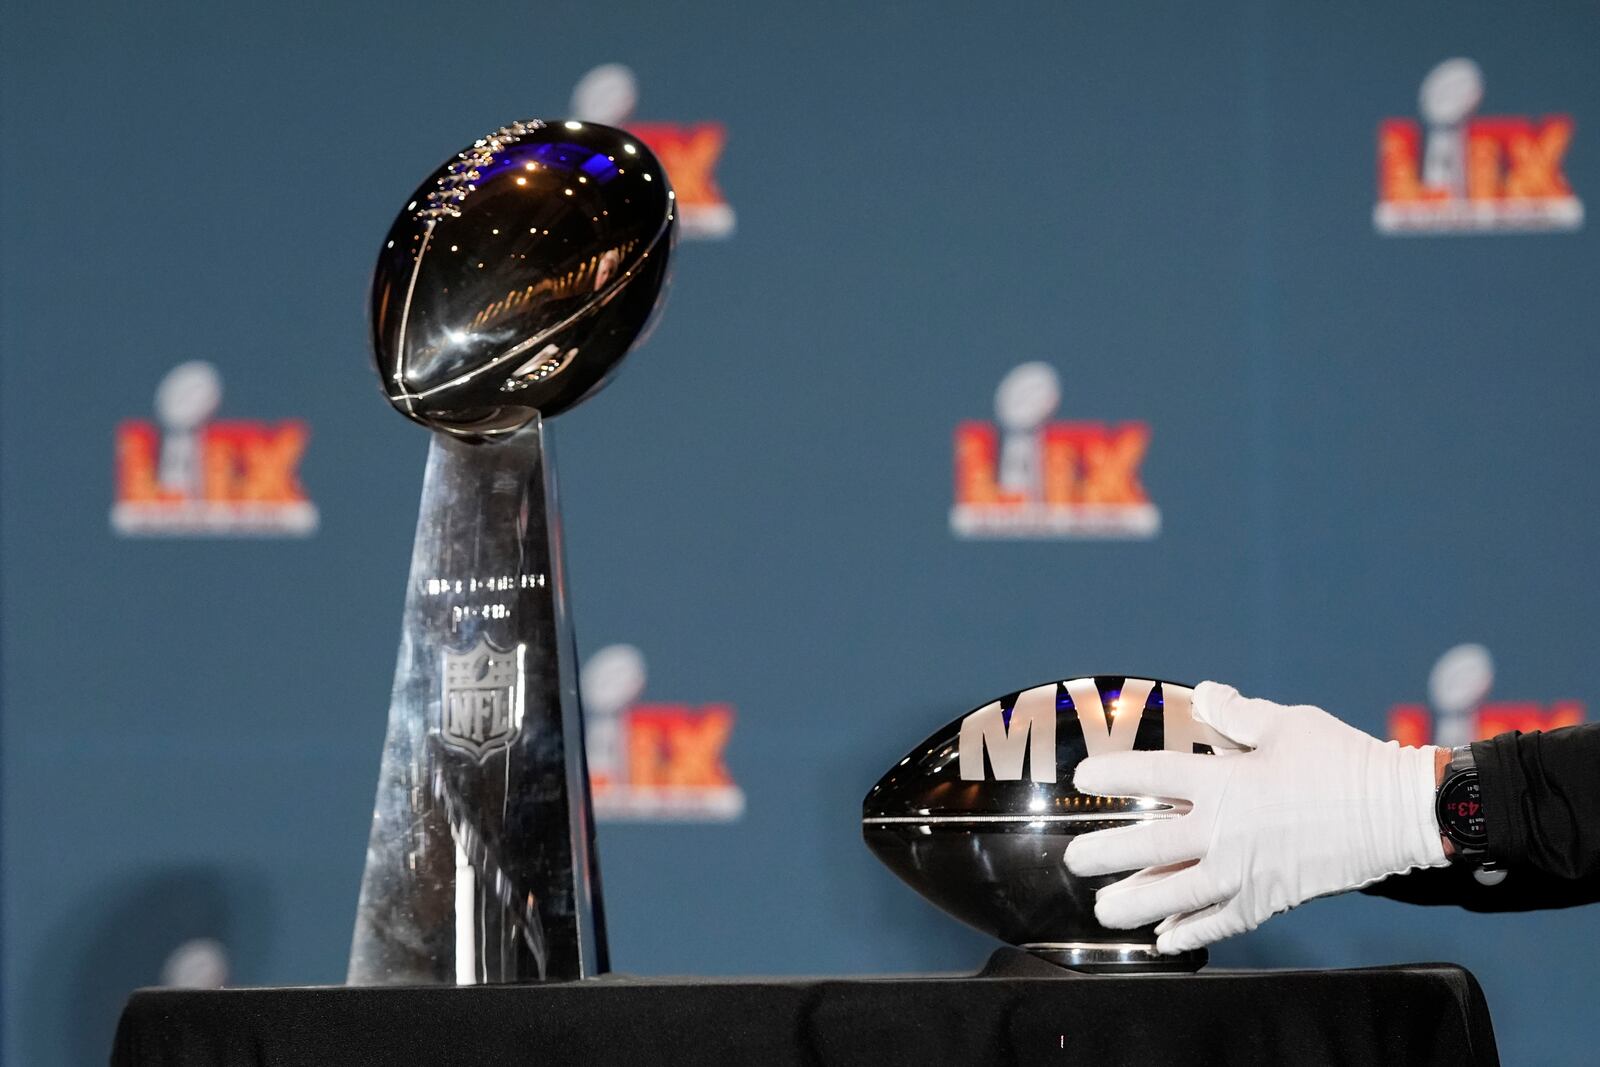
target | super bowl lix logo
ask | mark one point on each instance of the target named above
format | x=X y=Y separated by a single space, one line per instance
x=1472 y=174
x=190 y=476
x=688 y=151
x=650 y=761
x=1026 y=476
x=1461 y=711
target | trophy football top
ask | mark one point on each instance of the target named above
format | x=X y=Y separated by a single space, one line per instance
x=519 y=274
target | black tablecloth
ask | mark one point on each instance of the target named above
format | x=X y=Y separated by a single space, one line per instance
x=1017 y=1010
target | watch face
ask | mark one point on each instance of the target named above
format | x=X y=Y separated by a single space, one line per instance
x=1461 y=811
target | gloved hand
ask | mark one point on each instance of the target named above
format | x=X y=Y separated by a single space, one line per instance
x=1316 y=807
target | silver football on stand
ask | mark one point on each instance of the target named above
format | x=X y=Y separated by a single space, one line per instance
x=978 y=817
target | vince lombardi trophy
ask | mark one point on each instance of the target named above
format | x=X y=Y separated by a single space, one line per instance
x=507 y=291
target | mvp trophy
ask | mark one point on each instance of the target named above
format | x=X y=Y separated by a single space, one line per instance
x=507 y=291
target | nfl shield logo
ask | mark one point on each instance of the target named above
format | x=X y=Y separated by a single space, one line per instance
x=481 y=708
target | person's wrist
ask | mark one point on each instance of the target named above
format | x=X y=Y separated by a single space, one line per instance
x=1408 y=812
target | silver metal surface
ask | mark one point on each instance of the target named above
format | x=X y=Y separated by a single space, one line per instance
x=480 y=866
x=509 y=288
x=519 y=274
x=978 y=817
x=1026 y=820
x=1112 y=958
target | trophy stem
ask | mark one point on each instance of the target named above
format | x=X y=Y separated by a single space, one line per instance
x=481 y=863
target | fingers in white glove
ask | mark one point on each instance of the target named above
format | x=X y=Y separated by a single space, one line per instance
x=1147 y=774
x=1247 y=815
x=1243 y=719
x=1152 y=844
x=1184 y=933
x=1157 y=893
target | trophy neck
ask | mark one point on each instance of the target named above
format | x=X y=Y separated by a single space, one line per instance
x=481 y=866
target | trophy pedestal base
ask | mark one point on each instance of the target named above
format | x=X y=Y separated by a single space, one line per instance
x=1089 y=957
x=1018 y=1010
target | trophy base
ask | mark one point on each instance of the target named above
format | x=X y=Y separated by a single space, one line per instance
x=1101 y=957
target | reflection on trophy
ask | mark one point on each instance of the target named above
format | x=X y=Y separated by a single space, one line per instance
x=508 y=289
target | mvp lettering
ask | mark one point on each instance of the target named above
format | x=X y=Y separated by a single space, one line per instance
x=1028 y=736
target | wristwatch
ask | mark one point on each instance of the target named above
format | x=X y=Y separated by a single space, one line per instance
x=1462 y=820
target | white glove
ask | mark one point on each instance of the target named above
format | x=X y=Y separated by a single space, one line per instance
x=1316 y=807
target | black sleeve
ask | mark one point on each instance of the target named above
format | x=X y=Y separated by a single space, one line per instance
x=1541 y=797
x=1522 y=890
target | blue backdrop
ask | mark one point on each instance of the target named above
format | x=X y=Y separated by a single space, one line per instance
x=1364 y=447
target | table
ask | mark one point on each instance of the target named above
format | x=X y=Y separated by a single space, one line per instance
x=1018 y=1009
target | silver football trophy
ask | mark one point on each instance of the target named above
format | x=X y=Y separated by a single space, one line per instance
x=978 y=817
x=507 y=291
